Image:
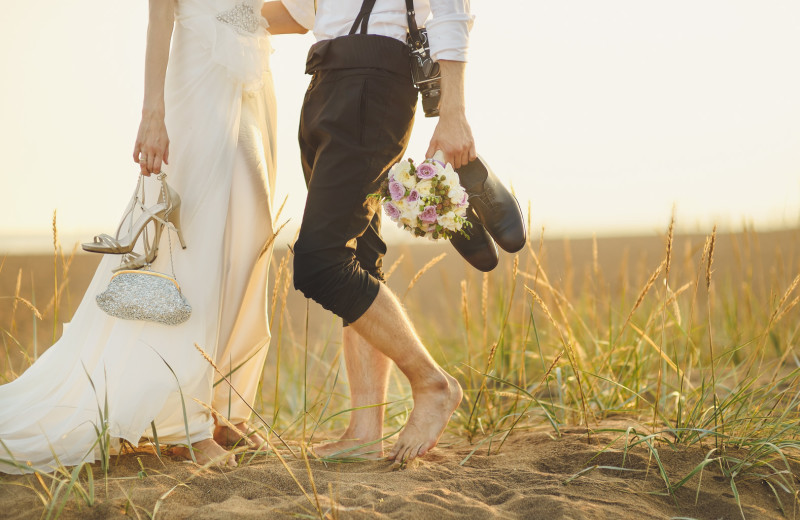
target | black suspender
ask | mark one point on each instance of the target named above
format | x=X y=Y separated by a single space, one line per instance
x=363 y=17
x=362 y=20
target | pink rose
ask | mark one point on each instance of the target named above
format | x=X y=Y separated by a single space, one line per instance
x=426 y=171
x=413 y=196
x=429 y=215
x=392 y=210
x=396 y=190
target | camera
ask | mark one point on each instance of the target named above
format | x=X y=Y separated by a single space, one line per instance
x=425 y=72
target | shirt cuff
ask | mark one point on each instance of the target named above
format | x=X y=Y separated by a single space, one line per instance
x=302 y=12
x=449 y=36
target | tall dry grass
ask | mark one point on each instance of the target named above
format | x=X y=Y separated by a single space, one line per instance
x=689 y=341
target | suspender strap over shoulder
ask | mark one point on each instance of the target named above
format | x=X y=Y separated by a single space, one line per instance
x=362 y=19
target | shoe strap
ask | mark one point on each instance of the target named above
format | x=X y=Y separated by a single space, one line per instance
x=106 y=240
x=138 y=200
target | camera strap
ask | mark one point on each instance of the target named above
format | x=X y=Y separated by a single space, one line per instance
x=418 y=40
x=411 y=15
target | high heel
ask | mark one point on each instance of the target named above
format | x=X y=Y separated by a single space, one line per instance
x=174 y=216
x=132 y=261
x=166 y=212
x=171 y=219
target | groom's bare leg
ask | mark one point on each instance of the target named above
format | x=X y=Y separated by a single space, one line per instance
x=436 y=394
x=368 y=378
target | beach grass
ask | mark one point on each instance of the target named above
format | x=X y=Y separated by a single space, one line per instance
x=687 y=344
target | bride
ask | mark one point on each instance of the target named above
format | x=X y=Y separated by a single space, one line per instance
x=212 y=91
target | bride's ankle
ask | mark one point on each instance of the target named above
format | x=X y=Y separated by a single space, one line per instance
x=240 y=433
x=204 y=452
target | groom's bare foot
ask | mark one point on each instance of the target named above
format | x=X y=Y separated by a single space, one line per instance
x=206 y=451
x=433 y=405
x=351 y=446
x=227 y=436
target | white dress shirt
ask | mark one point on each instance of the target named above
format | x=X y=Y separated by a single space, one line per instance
x=448 y=27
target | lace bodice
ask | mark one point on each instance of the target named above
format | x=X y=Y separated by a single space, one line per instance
x=243 y=17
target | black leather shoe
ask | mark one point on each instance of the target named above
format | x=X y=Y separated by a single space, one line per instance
x=479 y=250
x=496 y=207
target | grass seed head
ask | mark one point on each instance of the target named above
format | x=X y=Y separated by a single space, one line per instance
x=710 y=264
x=422 y=271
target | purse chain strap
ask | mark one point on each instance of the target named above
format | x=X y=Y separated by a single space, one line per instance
x=169 y=225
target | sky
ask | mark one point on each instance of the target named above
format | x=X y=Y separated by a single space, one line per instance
x=601 y=115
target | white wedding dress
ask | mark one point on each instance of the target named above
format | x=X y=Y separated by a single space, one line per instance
x=221 y=122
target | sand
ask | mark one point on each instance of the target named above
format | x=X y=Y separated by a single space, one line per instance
x=528 y=478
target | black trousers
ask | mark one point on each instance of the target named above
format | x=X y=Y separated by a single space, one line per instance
x=355 y=124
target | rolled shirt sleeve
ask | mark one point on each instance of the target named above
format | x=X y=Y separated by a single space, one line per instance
x=448 y=29
x=302 y=11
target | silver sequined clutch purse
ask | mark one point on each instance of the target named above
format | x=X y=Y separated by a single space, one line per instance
x=145 y=295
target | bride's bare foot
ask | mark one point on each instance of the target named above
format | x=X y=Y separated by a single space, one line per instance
x=206 y=451
x=351 y=446
x=433 y=405
x=227 y=436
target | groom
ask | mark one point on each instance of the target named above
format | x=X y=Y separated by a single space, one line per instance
x=356 y=122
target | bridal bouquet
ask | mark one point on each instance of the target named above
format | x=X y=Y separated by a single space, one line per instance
x=427 y=200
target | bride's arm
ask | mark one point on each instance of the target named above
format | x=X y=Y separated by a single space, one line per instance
x=152 y=143
x=280 y=20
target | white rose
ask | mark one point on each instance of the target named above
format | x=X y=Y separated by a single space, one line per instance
x=397 y=167
x=456 y=194
x=410 y=209
x=410 y=215
x=402 y=174
x=450 y=175
x=425 y=188
x=448 y=220
x=404 y=166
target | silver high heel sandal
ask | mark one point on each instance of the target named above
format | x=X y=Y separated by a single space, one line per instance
x=166 y=212
x=132 y=261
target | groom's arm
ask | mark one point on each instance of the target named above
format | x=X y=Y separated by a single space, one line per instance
x=280 y=19
x=453 y=135
x=448 y=33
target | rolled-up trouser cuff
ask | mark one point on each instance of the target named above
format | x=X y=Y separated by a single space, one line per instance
x=377 y=276
x=345 y=289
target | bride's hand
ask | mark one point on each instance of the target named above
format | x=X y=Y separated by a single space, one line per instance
x=152 y=144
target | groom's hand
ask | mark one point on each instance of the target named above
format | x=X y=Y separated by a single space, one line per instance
x=453 y=135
